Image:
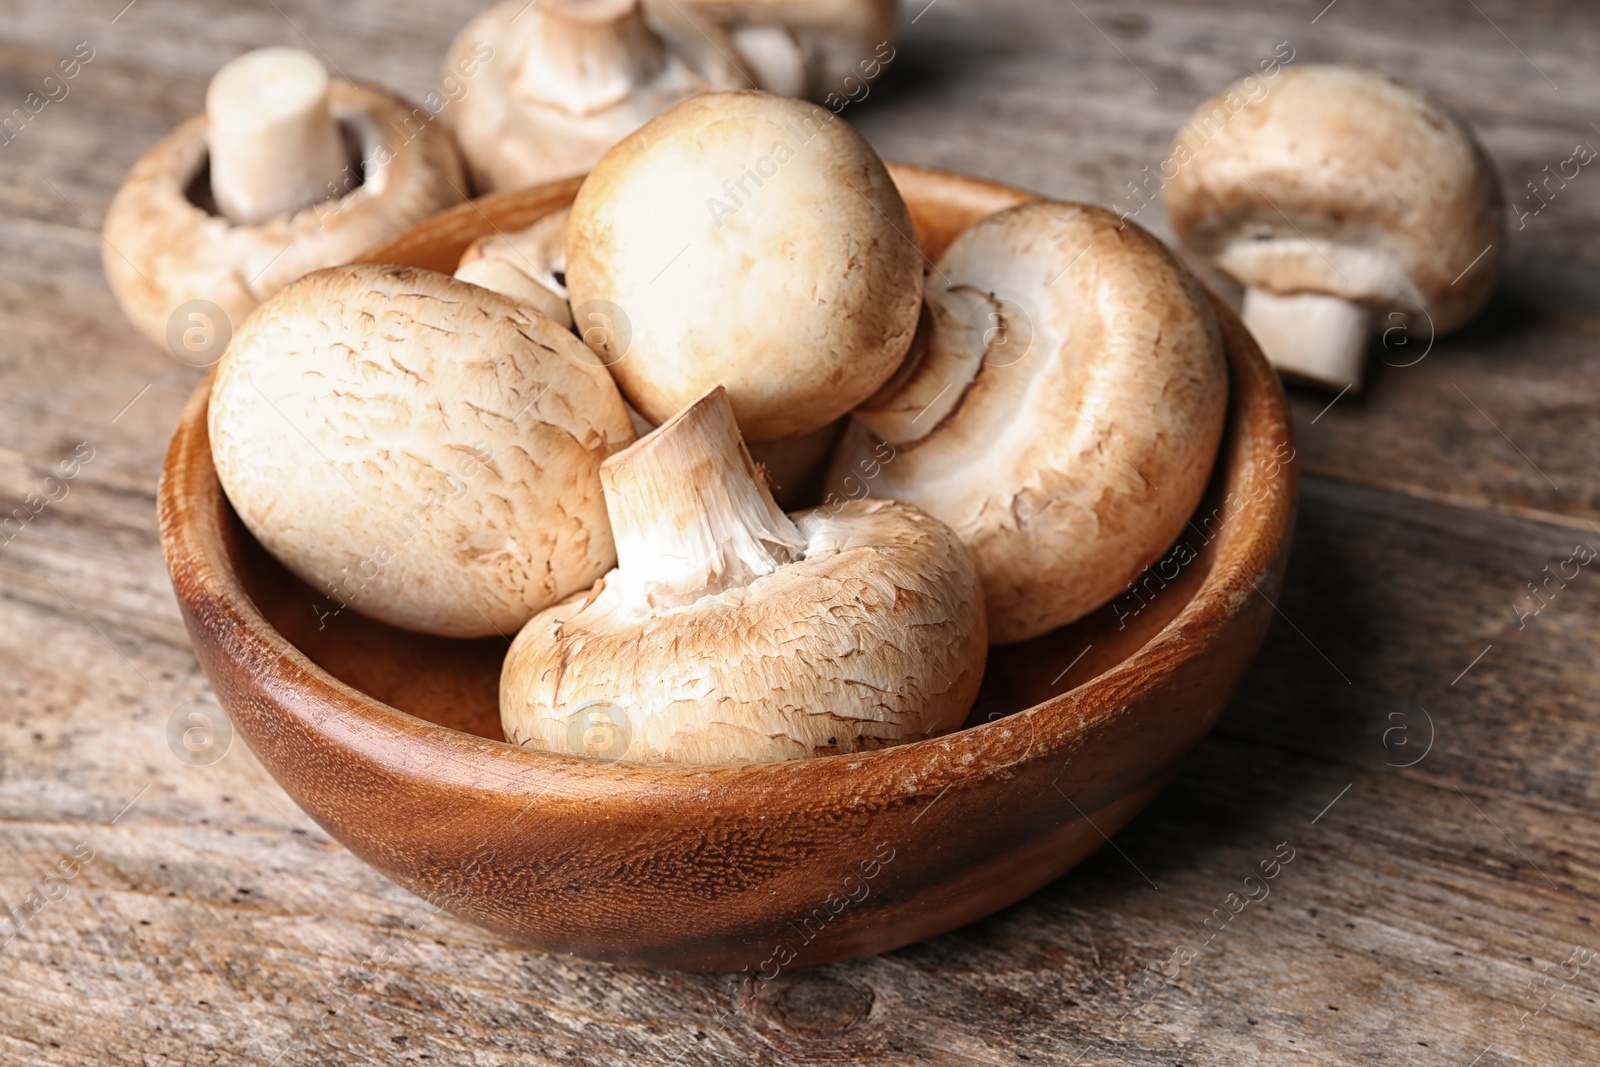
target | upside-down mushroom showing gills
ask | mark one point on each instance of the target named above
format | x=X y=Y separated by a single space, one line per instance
x=1060 y=412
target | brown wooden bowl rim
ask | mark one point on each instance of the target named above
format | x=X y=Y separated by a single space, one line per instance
x=367 y=729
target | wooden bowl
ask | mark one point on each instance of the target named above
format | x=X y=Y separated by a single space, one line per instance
x=391 y=740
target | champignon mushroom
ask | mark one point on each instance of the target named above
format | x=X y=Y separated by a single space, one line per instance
x=529 y=265
x=730 y=633
x=567 y=79
x=1341 y=195
x=792 y=467
x=795 y=466
x=752 y=241
x=814 y=48
x=286 y=172
x=1063 y=415
x=421 y=449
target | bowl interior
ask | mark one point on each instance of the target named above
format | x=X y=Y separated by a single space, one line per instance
x=454 y=683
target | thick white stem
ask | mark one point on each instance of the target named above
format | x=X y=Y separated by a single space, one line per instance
x=274 y=144
x=583 y=56
x=506 y=279
x=690 y=513
x=1316 y=338
x=703 y=41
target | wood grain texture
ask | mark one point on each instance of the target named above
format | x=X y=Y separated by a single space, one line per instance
x=1418 y=905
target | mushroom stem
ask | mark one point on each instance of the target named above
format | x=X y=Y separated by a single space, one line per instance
x=1313 y=337
x=690 y=515
x=774 y=58
x=274 y=144
x=586 y=55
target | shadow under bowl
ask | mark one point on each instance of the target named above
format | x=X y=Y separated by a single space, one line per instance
x=391 y=740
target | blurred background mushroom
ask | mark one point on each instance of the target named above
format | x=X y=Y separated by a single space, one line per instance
x=287 y=171
x=1341 y=196
x=569 y=78
x=731 y=633
x=827 y=50
x=1061 y=414
x=420 y=449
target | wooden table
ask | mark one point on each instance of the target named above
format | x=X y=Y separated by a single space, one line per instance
x=1422 y=744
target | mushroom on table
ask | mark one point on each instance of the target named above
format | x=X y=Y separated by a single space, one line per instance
x=828 y=50
x=752 y=241
x=287 y=172
x=1341 y=200
x=730 y=632
x=420 y=449
x=567 y=79
x=1060 y=412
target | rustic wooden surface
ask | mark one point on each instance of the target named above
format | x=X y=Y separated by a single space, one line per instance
x=1439 y=913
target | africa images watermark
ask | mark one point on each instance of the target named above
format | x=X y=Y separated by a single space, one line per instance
x=56 y=487
x=52 y=888
x=765 y=168
x=1552 y=983
x=1541 y=194
x=812 y=924
x=1139 y=594
x=53 y=88
x=857 y=488
x=355 y=979
x=1204 y=126
x=1256 y=887
x=1544 y=594
x=454 y=86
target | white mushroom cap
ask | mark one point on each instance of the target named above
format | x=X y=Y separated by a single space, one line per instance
x=1064 y=414
x=529 y=265
x=566 y=79
x=729 y=634
x=165 y=245
x=420 y=448
x=755 y=242
x=1341 y=183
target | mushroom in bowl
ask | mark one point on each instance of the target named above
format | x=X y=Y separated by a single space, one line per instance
x=528 y=265
x=1340 y=199
x=421 y=449
x=286 y=172
x=706 y=867
x=780 y=215
x=731 y=633
x=1060 y=413
x=567 y=79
